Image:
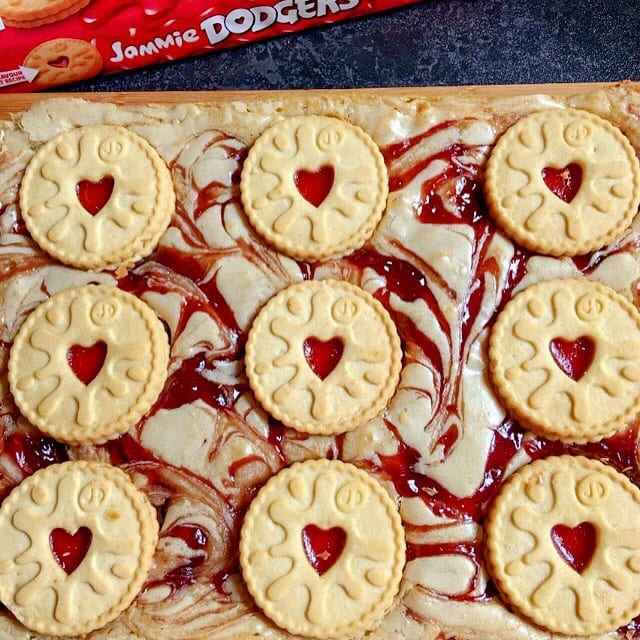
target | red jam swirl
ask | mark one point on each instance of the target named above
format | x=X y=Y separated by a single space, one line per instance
x=32 y=451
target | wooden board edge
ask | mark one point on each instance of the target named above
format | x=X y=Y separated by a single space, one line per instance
x=16 y=102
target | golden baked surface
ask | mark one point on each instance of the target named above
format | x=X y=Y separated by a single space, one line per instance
x=443 y=444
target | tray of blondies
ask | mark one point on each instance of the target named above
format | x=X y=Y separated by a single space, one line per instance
x=321 y=364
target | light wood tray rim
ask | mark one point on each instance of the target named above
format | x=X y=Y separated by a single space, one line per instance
x=16 y=102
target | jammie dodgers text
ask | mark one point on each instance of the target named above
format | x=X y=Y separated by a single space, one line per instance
x=238 y=21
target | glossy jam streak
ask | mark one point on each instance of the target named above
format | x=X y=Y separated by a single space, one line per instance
x=400 y=469
x=314 y=186
x=462 y=192
x=322 y=356
x=182 y=576
x=323 y=547
x=574 y=357
x=409 y=284
x=70 y=549
x=33 y=451
x=575 y=545
x=473 y=550
x=399 y=179
x=194 y=537
x=190 y=383
x=94 y=195
x=564 y=182
x=141 y=283
x=196 y=269
x=276 y=438
x=219 y=581
x=86 y=362
x=619 y=451
x=125 y=450
x=630 y=631
x=218 y=192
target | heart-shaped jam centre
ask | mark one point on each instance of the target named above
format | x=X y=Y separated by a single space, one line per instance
x=322 y=356
x=94 y=195
x=574 y=357
x=575 y=545
x=314 y=186
x=565 y=182
x=70 y=549
x=323 y=547
x=86 y=362
x=61 y=62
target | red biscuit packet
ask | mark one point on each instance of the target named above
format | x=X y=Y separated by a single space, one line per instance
x=52 y=43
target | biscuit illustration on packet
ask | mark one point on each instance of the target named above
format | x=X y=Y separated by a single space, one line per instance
x=64 y=60
x=27 y=14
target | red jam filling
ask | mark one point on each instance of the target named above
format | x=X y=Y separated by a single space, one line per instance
x=565 y=182
x=314 y=186
x=575 y=545
x=322 y=356
x=86 y=362
x=61 y=62
x=70 y=549
x=573 y=357
x=323 y=547
x=94 y=195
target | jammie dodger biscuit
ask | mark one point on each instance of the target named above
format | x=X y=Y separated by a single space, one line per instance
x=563 y=182
x=563 y=545
x=314 y=186
x=77 y=543
x=88 y=363
x=63 y=60
x=97 y=197
x=564 y=357
x=323 y=356
x=322 y=549
x=27 y=14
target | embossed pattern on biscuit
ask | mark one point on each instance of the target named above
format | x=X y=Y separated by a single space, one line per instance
x=314 y=186
x=564 y=358
x=323 y=356
x=77 y=544
x=563 y=545
x=563 y=182
x=88 y=363
x=310 y=556
x=129 y=222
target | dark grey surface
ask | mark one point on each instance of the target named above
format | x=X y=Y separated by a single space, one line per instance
x=435 y=42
